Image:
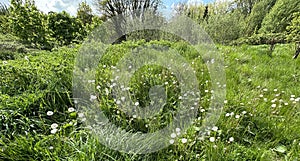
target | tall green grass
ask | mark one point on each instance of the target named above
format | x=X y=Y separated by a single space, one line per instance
x=260 y=120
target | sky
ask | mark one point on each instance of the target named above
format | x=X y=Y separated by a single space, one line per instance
x=71 y=5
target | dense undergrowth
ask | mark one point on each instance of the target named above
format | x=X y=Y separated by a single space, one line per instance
x=260 y=120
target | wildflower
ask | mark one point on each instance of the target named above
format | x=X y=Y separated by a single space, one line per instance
x=91 y=81
x=173 y=135
x=54 y=126
x=225 y=101
x=273 y=105
x=215 y=128
x=53 y=131
x=261 y=95
x=123 y=99
x=244 y=112
x=231 y=139
x=171 y=141
x=184 y=140
x=275 y=90
x=98 y=87
x=4 y=62
x=136 y=103
x=71 y=109
x=212 y=139
x=26 y=58
x=80 y=115
x=177 y=129
x=237 y=116
x=286 y=103
x=292 y=96
x=49 y=113
x=265 y=89
x=93 y=97
x=227 y=114
x=118 y=102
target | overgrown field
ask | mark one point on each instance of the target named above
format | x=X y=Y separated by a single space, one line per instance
x=260 y=119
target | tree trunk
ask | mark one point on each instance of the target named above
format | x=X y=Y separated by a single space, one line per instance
x=297 y=47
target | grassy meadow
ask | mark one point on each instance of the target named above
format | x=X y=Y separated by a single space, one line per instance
x=260 y=119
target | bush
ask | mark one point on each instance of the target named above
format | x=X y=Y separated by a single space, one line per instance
x=259 y=39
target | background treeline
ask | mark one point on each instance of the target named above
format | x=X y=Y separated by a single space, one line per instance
x=227 y=22
x=247 y=21
x=46 y=31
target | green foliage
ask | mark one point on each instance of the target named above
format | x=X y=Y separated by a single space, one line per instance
x=294 y=28
x=64 y=28
x=32 y=85
x=4 y=14
x=280 y=16
x=260 y=114
x=96 y=22
x=85 y=13
x=258 y=39
x=224 y=28
x=28 y=23
x=256 y=17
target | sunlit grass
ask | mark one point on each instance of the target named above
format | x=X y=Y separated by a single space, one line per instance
x=260 y=120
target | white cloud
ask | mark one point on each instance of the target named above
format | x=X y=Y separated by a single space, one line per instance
x=69 y=6
x=195 y=2
x=46 y=6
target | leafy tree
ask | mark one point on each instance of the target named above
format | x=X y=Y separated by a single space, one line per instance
x=64 y=28
x=85 y=13
x=224 y=28
x=27 y=22
x=280 y=16
x=259 y=11
x=244 y=6
x=294 y=32
x=4 y=14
